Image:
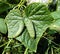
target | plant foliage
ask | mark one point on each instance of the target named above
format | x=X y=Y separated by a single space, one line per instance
x=29 y=29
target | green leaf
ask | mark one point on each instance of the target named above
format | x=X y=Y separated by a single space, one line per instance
x=32 y=43
x=14 y=23
x=38 y=14
x=36 y=9
x=56 y=14
x=30 y=27
x=3 y=27
x=56 y=23
x=37 y=19
x=4 y=7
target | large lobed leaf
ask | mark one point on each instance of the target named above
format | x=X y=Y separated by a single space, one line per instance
x=39 y=19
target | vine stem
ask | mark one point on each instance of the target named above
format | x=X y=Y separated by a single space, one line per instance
x=52 y=51
x=7 y=46
x=3 y=44
x=51 y=41
x=20 y=4
x=26 y=51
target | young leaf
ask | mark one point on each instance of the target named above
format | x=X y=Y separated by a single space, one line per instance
x=14 y=23
x=30 y=28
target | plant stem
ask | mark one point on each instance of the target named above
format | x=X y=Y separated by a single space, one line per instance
x=51 y=50
x=26 y=51
x=3 y=44
x=7 y=46
x=51 y=41
x=21 y=3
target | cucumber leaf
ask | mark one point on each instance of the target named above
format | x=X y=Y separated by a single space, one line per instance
x=38 y=20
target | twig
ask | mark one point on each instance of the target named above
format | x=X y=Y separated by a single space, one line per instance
x=51 y=41
x=26 y=51
x=7 y=46
x=3 y=44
